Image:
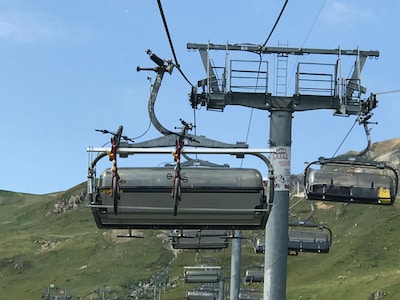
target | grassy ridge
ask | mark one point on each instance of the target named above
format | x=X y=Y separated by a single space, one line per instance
x=38 y=247
x=363 y=260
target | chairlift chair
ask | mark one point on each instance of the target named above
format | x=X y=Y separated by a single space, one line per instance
x=212 y=198
x=259 y=245
x=351 y=179
x=311 y=237
x=202 y=274
x=199 y=239
x=249 y=295
x=254 y=274
x=200 y=295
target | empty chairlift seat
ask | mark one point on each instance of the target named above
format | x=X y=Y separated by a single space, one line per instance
x=200 y=295
x=211 y=198
x=254 y=275
x=309 y=237
x=308 y=241
x=259 y=245
x=202 y=274
x=250 y=295
x=199 y=239
x=355 y=181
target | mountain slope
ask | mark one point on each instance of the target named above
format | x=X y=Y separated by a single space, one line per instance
x=52 y=239
x=40 y=247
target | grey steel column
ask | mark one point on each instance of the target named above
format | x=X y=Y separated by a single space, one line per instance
x=235 y=265
x=221 y=290
x=276 y=231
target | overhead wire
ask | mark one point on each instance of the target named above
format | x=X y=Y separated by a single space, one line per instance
x=344 y=139
x=170 y=42
x=252 y=109
x=388 y=92
x=313 y=24
x=307 y=36
x=259 y=68
x=177 y=65
x=148 y=126
x=144 y=133
x=276 y=23
x=255 y=90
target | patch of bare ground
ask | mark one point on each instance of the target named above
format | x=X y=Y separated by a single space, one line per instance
x=321 y=205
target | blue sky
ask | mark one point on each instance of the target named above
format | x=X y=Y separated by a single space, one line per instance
x=69 y=67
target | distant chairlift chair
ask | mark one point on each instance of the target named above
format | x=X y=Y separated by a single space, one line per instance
x=307 y=237
x=351 y=179
x=312 y=237
x=199 y=239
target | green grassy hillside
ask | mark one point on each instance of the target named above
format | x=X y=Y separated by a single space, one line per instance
x=39 y=247
x=363 y=261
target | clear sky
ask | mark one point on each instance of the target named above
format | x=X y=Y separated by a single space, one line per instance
x=69 y=67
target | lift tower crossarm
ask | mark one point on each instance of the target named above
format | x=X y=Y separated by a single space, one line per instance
x=282 y=50
x=334 y=99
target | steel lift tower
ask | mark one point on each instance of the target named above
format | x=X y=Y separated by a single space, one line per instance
x=317 y=86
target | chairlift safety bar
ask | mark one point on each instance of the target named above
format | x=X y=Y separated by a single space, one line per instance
x=162 y=150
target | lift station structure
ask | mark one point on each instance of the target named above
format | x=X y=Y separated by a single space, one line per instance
x=317 y=86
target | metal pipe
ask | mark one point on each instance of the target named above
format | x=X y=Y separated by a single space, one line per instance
x=276 y=231
x=162 y=150
x=221 y=291
x=235 y=265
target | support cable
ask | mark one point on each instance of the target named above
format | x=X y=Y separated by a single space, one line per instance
x=259 y=67
x=313 y=24
x=174 y=54
x=144 y=133
x=348 y=133
x=306 y=38
x=276 y=23
x=170 y=42
x=388 y=92
x=148 y=127
x=252 y=109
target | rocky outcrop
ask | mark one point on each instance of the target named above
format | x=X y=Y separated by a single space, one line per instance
x=67 y=204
